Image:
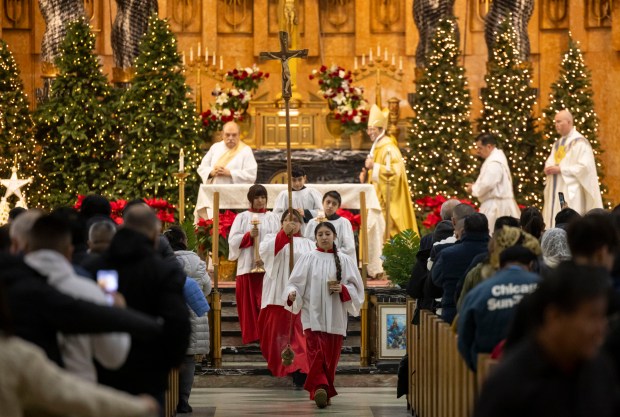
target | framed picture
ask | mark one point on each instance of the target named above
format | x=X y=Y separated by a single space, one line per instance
x=391 y=331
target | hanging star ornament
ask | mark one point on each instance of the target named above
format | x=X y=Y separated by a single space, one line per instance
x=13 y=187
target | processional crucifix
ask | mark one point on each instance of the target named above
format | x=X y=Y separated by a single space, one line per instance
x=283 y=55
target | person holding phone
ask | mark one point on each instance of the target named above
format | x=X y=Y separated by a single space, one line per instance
x=571 y=172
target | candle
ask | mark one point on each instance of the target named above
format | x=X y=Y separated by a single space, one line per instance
x=181 y=161
x=255 y=218
x=363 y=59
x=379 y=51
x=191 y=55
x=214 y=59
x=370 y=56
x=221 y=62
x=355 y=63
x=320 y=214
x=393 y=60
x=183 y=57
x=400 y=63
x=207 y=56
x=199 y=50
x=385 y=55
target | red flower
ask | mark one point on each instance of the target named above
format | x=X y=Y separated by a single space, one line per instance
x=78 y=203
x=354 y=219
x=323 y=68
x=431 y=220
x=226 y=220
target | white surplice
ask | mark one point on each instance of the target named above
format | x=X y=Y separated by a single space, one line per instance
x=320 y=310
x=345 y=240
x=242 y=167
x=578 y=179
x=241 y=225
x=493 y=188
x=277 y=266
x=307 y=198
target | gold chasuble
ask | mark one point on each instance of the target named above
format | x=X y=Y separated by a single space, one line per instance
x=392 y=172
x=229 y=155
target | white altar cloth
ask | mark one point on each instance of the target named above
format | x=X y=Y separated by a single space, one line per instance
x=234 y=196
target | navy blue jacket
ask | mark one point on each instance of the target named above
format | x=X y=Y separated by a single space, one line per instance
x=488 y=309
x=451 y=265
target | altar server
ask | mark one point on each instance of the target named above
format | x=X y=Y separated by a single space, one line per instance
x=306 y=200
x=249 y=285
x=345 y=240
x=279 y=327
x=325 y=285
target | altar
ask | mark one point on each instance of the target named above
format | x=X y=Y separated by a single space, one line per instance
x=233 y=196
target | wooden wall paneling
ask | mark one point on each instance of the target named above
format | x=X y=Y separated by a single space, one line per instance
x=553 y=14
x=261 y=31
x=533 y=29
x=15 y=14
x=336 y=16
x=576 y=23
x=362 y=27
x=615 y=29
x=387 y=16
x=598 y=13
x=478 y=9
x=412 y=36
x=311 y=29
x=208 y=33
x=184 y=15
x=235 y=16
x=109 y=13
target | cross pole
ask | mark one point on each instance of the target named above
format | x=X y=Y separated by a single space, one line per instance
x=283 y=55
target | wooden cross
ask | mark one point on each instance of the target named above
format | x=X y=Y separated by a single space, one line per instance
x=283 y=55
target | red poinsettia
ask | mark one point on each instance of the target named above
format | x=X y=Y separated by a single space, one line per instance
x=430 y=207
x=355 y=219
x=204 y=231
x=165 y=210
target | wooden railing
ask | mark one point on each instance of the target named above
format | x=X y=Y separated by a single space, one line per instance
x=171 y=397
x=440 y=383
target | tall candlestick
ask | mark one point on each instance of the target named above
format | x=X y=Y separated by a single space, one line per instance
x=355 y=63
x=181 y=161
x=221 y=62
x=191 y=55
x=400 y=63
x=199 y=51
x=363 y=59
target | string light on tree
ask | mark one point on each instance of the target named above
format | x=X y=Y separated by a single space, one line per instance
x=438 y=157
x=573 y=91
x=508 y=102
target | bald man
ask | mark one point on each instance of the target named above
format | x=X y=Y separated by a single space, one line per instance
x=571 y=170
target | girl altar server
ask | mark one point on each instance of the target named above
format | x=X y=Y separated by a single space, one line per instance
x=248 y=284
x=325 y=285
x=345 y=241
x=279 y=327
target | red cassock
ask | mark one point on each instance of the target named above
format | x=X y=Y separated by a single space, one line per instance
x=248 y=292
x=275 y=324
x=323 y=350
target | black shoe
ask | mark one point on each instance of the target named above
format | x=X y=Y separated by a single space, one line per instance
x=184 y=408
x=320 y=398
x=299 y=379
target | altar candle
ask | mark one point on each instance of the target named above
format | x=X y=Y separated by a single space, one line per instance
x=393 y=60
x=320 y=214
x=363 y=59
x=400 y=63
x=255 y=218
x=191 y=55
x=214 y=59
x=385 y=55
x=199 y=51
x=355 y=63
x=207 y=56
x=379 y=51
x=183 y=57
x=221 y=62
x=370 y=56
x=181 y=161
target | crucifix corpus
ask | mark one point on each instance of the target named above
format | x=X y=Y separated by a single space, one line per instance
x=283 y=55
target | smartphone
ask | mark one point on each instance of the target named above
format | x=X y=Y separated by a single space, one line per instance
x=108 y=281
x=561 y=198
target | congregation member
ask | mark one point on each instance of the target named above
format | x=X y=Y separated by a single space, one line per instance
x=385 y=169
x=488 y=308
x=241 y=241
x=459 y=213
x=554 y=247
x=306 y=200
x=453 y=261
x=557 y=369
x=230 y=161
x=493 y=187
x=279 y=327
x=565 y=216
x=345 y=240
x=532 y=222
x=154 y=286
x=32 y=385
x=197 y=287
x=570 y=170
x=325 y=286
x=49 y=250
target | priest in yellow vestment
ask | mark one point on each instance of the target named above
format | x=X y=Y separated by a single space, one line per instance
x=386 y=171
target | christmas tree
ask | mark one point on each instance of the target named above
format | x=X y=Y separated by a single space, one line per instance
x=159 y=120
x=508 y=101
x=76 y=124
x=438 y=157
x=16 y=126
x=573 y=92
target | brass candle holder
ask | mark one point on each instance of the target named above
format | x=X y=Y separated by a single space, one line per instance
x=257 y=260
x=181 y=176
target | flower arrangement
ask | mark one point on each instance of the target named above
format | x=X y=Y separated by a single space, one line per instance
x=430 y=207
x=165 y=210
x=204 y=230
x=231 y=103
x=347 y=102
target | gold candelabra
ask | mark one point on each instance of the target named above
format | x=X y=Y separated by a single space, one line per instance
x=378 y=66
x=257 y=260
x=181 y=176
x=203 y=65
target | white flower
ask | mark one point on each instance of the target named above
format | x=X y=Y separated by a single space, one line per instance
x=221 y=99
x=341 y=73
x=328 y=92
x=314 y=72
x=249 y=70
x=234 y=92
x=226 y=112
x=357 y=119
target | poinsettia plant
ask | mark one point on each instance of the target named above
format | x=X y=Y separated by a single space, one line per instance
x=164 y=210
x=354 y=219
x=231 y=104
x=430 y=209
x=204 y=232
x=347 y=101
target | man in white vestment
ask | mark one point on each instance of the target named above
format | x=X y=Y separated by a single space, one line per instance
x=493 y=188
x=229 y=161
x=571 y=170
